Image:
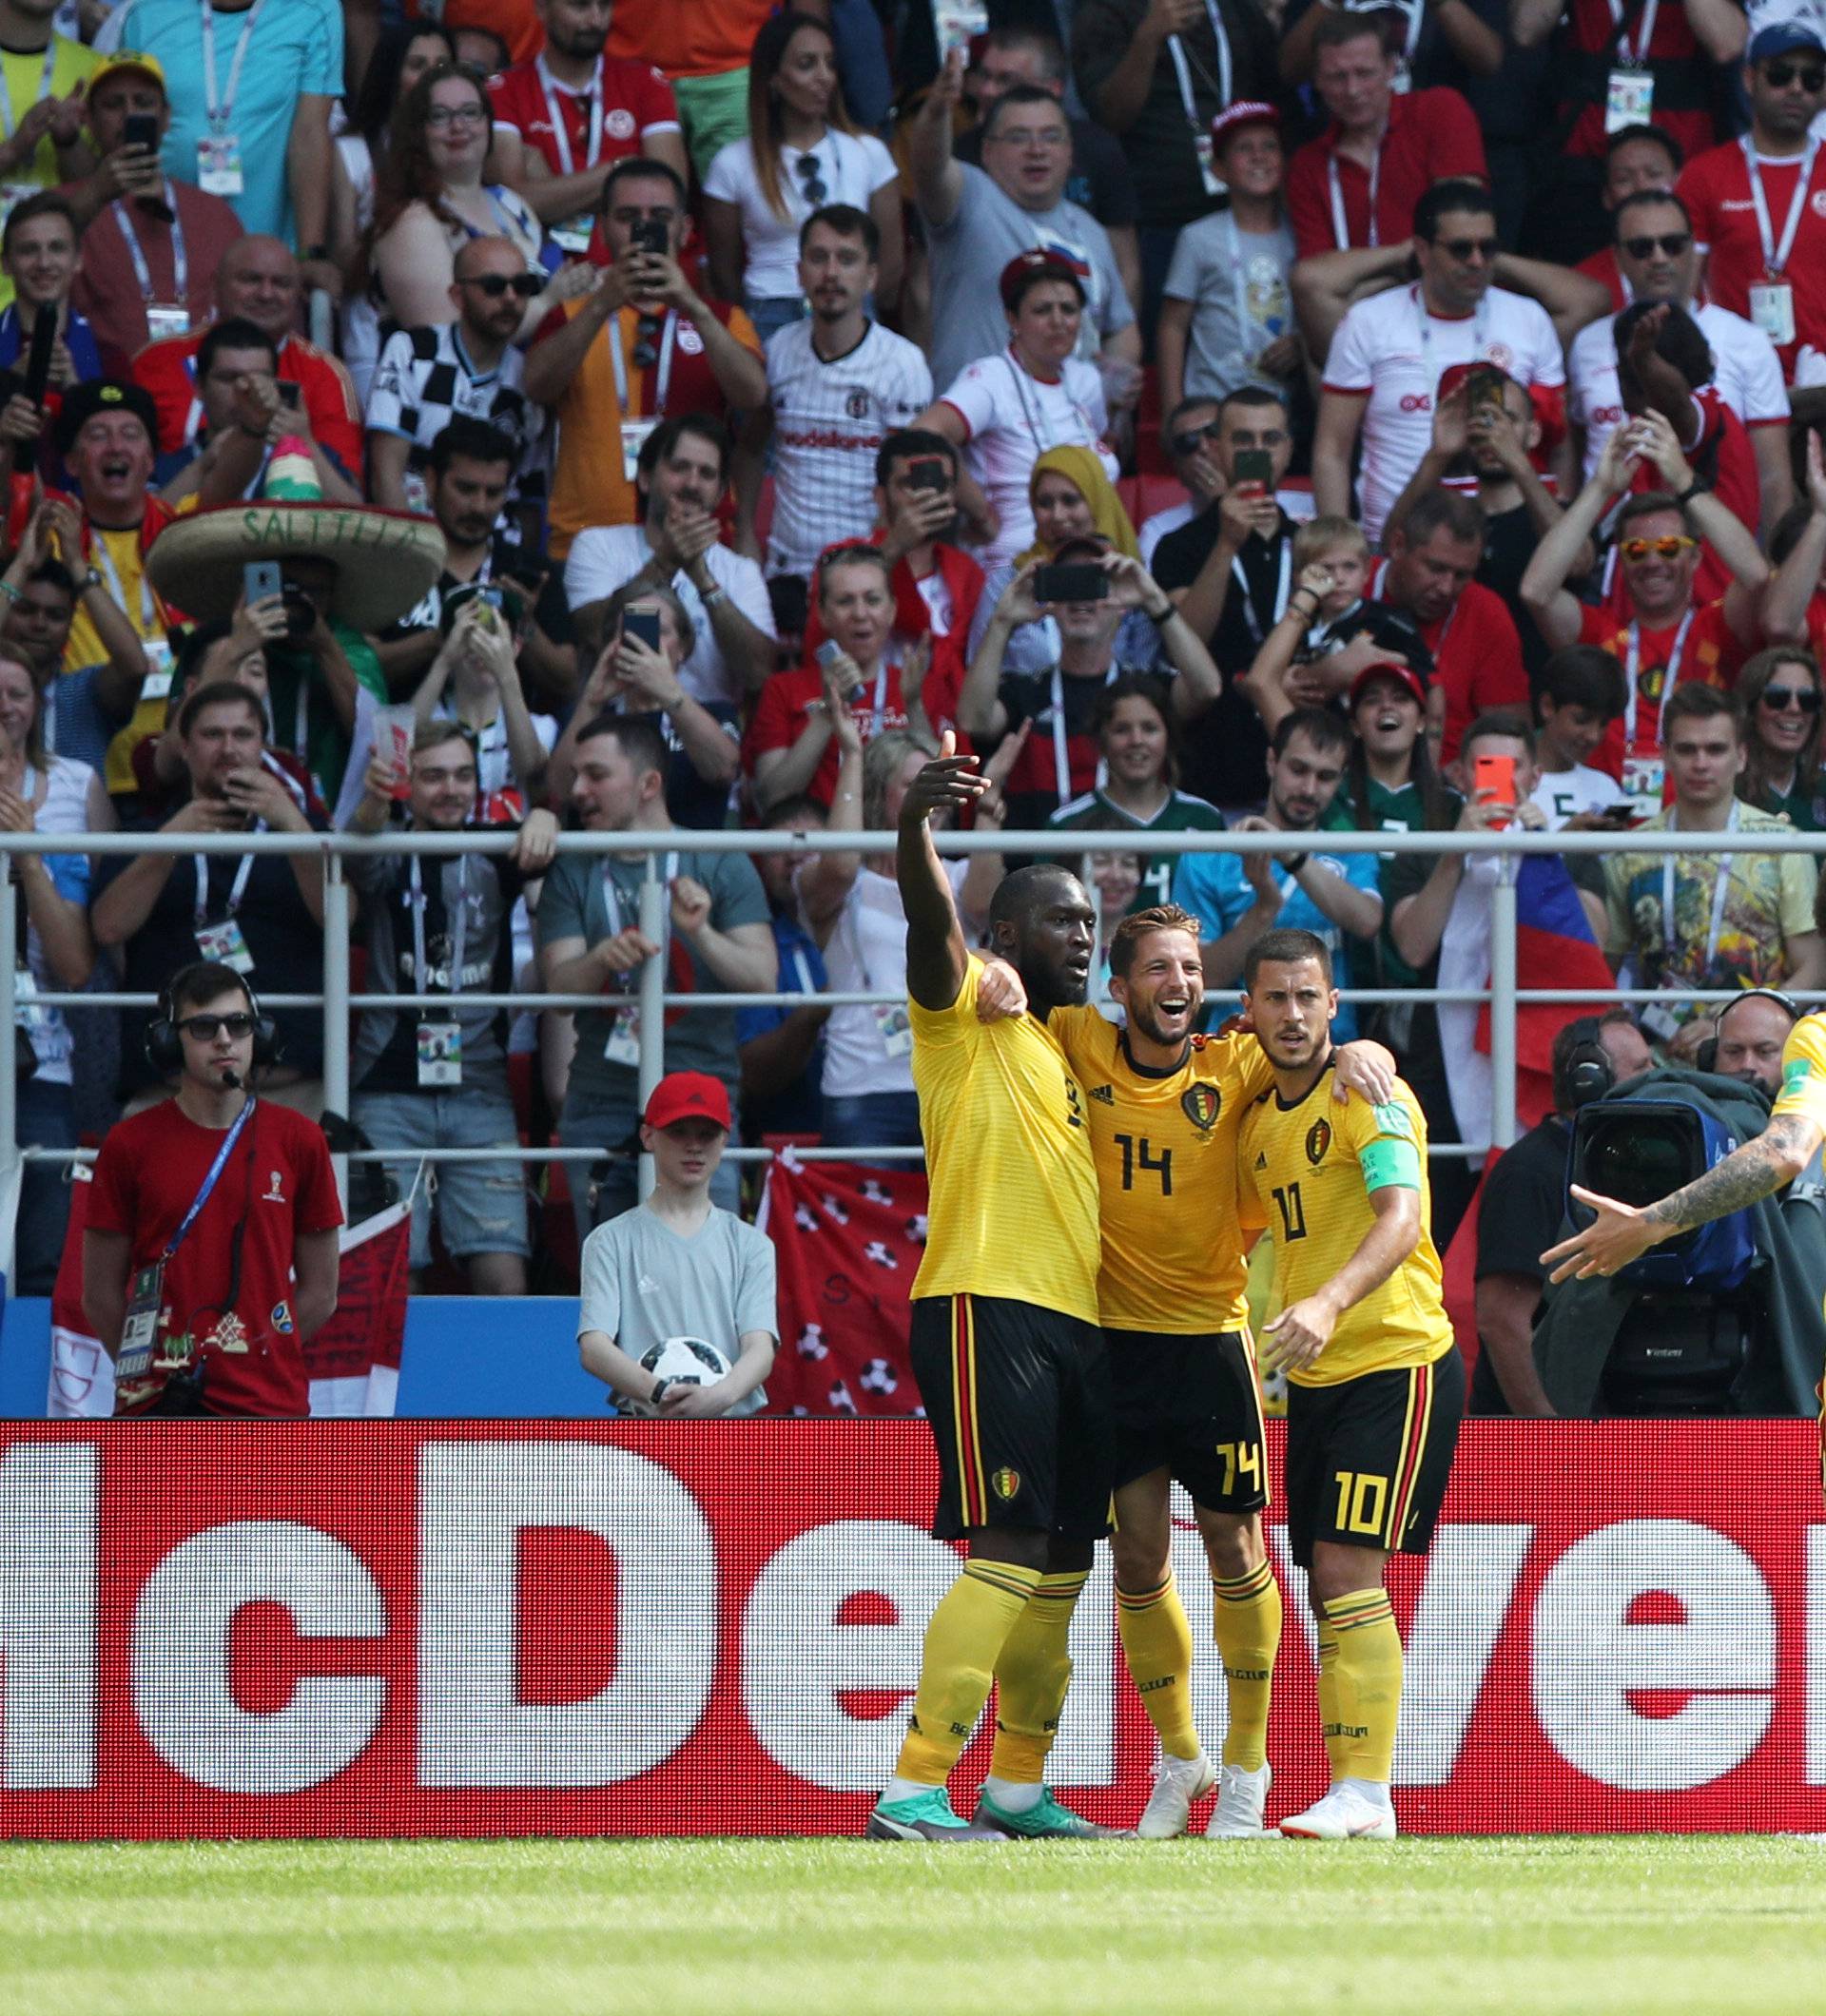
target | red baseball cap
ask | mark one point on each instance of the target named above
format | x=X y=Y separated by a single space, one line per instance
x=688 y=1095
x=1246 y=111
x=1391 y=668
x=1036 y=263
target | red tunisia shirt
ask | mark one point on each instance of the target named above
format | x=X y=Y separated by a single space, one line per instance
x=1715 y=191
x=1709 y=652
x=275 y=1184
x=1430 y=135
x=784 y=706
x=1477 y=658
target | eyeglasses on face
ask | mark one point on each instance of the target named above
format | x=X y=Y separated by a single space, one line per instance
x=494 y=284
x=445 y=115
x=1461 y=249
x=1669 y=244
x=1188 y=439
x=1669 y=546
x=1810 y=76
x=206 y=1028
x=1782 y=699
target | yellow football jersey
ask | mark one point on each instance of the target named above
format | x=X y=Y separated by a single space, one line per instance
x=1307 y=1172
x=1166 y=1170
x=1013 y=1211
x=1803 y=1071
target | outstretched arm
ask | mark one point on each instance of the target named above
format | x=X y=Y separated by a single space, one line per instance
x=937 y=956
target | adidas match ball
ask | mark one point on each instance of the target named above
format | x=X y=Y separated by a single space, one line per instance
x=690 y=1361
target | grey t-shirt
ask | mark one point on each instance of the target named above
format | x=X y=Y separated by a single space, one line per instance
x=642 y=1283
x=573 y=905
x=1237 y=283
x=984 y=233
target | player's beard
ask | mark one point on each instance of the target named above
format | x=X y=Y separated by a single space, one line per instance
x=1150 y=1026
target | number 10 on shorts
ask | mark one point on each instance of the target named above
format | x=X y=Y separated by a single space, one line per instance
x=1363 y=1502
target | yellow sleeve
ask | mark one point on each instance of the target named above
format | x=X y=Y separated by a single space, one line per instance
x=1798 y=880
x=1386 y=1141
x=1803 y=1071
x=1251 y=1213
x=942 y=1027
x=1249 y=1061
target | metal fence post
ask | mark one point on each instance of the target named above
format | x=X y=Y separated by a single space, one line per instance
x=335 y=1003
x=654 y=898
x=9 y=1046
x=1503 y=1002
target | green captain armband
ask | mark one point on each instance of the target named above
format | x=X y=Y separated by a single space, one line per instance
x=1390 y=1165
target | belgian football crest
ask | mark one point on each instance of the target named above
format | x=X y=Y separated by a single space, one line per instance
x=1006 y=1482
x=1201 y=1104
x=1318 y=1138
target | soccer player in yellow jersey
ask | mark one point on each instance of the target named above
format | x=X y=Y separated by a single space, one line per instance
x=1004 y=1343
x=1623 y=1233
x=1375 y=1384
x=1164 y=1105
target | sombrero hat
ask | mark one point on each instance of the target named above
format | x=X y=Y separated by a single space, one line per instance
x=385 y=561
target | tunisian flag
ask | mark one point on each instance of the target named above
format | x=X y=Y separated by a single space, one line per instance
x=847 y=1242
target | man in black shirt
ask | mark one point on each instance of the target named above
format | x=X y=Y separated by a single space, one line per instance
x=1520 y=1212
x=437 y=1077
x=259 y=913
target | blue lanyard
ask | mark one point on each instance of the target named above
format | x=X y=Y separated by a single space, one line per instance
x=209 y=1181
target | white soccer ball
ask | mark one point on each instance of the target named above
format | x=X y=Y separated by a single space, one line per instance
x=878 y=1376
x=686 y=1360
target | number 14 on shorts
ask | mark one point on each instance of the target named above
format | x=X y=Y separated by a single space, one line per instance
x=1240 y=1459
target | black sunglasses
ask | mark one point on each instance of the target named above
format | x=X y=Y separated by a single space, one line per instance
x=1186 y=442
x=206 y=1028
x=1462 y=248
x=1671 y=243
x=1811 y=77
x=646 y=351
x=1780 y=699
x=812 y=176
x=494 y=284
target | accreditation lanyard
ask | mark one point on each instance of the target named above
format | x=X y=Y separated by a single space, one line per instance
x=1062 y=755
x=1341 y=229
x=663 y=376
x=1032 y=413
x=1283 y=588
x=180 y=262
x=6 y=119
x=560 y=126
x=235 y=891
x=1182 y=68
x=457 y=927
x=1637 y=58
x=1721 y=890
x=220 y=112
x=612 y=902
x=1774 y=256
x=1423 y=319
x=1673 y=672
x=801 y=968
x=117 y=593
x=209 y=1181
x=1238 y=278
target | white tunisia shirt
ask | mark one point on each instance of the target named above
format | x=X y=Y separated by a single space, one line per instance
x=1746 y=376
x=1390 y=347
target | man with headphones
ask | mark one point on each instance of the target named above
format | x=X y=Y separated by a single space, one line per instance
x=211 y=1252
x=1748 y=1036
x=1522 y=1202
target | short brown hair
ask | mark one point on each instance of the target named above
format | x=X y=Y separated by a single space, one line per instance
x=1693 y=700
x=219 y=692
x=1143 y=923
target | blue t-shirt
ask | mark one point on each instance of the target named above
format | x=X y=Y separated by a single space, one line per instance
x=800 y=1107
x=295 y=50
x=1216 y=890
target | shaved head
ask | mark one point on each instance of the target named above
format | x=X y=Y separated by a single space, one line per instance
x=488 y=255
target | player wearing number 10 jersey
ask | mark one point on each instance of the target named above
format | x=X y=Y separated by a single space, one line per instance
x=1377 y=1388
x=1164 y=1106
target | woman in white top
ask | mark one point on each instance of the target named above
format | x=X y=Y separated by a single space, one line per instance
x=430 y=200
x=802 y=153
x=851 y=905
x=55 y=953
x=403 y=56
x=1007 y=410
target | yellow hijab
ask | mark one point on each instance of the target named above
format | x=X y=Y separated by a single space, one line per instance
x=1083 y=469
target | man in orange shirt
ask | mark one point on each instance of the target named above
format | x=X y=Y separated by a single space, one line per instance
x=702 y=48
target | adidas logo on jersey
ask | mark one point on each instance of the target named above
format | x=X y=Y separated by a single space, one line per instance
x=1105 y=1095
x=1261 y=1161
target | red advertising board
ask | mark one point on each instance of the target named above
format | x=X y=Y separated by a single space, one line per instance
x=375 y=1628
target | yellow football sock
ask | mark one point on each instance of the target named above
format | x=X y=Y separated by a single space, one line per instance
x=1032 y=1674
x=1156 y=1641
x=963 y=1643
x=1246 y=1621
x=1329 y=1694
x=1366 y=1686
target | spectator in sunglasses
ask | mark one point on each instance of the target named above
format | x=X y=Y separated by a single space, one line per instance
x=1659 y=261
x=1779 y=691
x=430 y=374
x=1636 y=158
x=642 y=346
x=1189 y=431
x=1766 y=258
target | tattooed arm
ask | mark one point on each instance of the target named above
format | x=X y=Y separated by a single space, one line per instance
x=1621 y=1233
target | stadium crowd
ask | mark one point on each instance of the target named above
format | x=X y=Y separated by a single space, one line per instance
x=653 y=418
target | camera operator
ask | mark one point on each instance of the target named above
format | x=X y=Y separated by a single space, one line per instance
x=1748 y=1037
x=210 y=1253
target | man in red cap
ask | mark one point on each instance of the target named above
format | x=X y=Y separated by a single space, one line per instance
x=678 y=1274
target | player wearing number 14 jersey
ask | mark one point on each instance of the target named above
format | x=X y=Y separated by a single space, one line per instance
x=1375 y=1386
x=1164 y=1105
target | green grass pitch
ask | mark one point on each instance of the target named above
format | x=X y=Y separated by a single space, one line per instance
x=1646 y=1923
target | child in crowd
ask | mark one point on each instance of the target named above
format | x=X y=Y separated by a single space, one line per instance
x=1580 y=694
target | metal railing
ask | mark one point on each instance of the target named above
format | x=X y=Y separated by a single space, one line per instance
x=336 y=1001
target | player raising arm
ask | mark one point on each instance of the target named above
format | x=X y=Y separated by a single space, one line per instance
x=1375 y=1386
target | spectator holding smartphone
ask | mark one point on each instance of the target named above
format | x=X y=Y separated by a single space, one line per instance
x=1578 y=694
x=473 y=685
